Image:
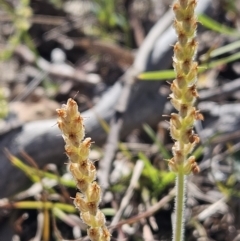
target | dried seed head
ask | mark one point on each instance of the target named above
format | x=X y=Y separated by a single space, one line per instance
x=177 y=25
x=176 y=91
x=60 y=124
x=182 y=37
x=176 y=104
x=188 y=148
x=178 y=157
x=191 y=47
x=178 y=52
x=192 y=75
x=94 y=192
x=71 y=109
x=187 y=25
x=75 y=169
x=175 y=120
x=61 y=113
x=100 y=218
x=179 y=13
x=180 y=81
x=80 y=203
x=183 y=110
x=70 y=123
x=199 y=116
x=92 y=208
x=172 y=165
x=183 y=3
x=186 y=66
x=83 y=167
x=72 y=153
x=191 y=7
x=78 y=120
x=106 y=236
x=82 y=184
x=84 y=149
x=177 y=66
x=91 y=172
x=88 y=219
x=94 y=233
x=192 y=165
x=87 y=142
x=175 y=134
x=195 y=169
x=183 y=88
x=188 y=97
x=193 y=91
x=194 y=139
x=73 y=137
x=187 y=135
x=190 y=117
x=97 y=220
x=188 y=165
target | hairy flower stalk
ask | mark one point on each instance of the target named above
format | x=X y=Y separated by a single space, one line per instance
x=77 y=149
x=183 y=97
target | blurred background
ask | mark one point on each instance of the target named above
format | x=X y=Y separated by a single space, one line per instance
x=115 y=58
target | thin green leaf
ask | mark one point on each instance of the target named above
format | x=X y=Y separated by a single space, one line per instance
x=43 y=205
x=157 y=75
x=215 y=26
x=222 y=50
x=108 y=211
x=221 y=61
x=35 y=174
x=30 y=172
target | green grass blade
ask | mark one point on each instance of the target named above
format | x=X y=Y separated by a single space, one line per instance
x=30 y=172
x=157 y=75
x=44 y=205
x=221 y=61
x=215 y=26
x=35 y=174
x=225 y=49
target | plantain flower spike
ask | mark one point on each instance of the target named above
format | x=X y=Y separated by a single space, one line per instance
x=184 y=92
x=77 y=149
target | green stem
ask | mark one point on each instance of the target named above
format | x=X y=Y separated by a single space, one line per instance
x=179 y=207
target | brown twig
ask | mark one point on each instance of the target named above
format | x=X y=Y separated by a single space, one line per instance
x=126 y=199
x=149 y=212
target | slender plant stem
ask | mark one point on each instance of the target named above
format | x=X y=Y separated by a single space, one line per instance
x=180 y=206
x=183 y=96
